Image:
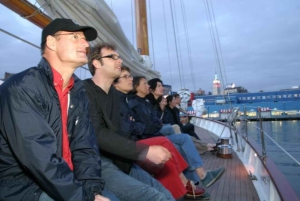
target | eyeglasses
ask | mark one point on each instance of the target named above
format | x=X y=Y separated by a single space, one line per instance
x=112 y=56
x=75 y=35
x=127 y=77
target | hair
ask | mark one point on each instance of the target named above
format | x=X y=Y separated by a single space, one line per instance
x=170 y=98
x=136 y=82
x=153 y=83
x=123 y=68
x=95 y=54
x=43 y=46
x=159 y=99
x=176 y=95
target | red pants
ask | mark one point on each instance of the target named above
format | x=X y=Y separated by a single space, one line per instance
x=167 y=175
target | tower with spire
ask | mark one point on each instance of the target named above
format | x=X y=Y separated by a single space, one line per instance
x=216 y=85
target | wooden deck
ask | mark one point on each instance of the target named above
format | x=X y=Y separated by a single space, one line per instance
x=235 y=184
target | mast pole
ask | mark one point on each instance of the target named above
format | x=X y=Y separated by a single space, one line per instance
x=141 y=27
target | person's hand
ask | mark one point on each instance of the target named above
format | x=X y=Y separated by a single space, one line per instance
x=101 y=198
x=158 y=154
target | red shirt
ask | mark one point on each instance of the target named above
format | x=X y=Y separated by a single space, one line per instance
x=63 y=96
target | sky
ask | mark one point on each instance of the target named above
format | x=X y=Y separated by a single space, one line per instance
x=257 y=42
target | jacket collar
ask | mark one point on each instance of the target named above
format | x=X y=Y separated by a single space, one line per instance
x=46 y=69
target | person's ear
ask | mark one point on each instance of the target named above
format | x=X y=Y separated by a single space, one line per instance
x=51 y=43
x=96 y=63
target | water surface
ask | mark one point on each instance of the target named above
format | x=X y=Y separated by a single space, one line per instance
x=287 y=135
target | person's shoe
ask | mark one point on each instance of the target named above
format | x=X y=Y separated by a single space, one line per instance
x=193 y=191
x=205 y=196
x=212 y=176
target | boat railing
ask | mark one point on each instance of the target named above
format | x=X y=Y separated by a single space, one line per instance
x=263 y=134
x=269 y=182
x=278 y=179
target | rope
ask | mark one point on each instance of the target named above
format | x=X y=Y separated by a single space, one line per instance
x=179 y=46
x=150 y=19
x=220 y=47
x=170 y=70
x=216 y=45
x=132 y=23
x=39 y=10
x=25 y=41
x=188 y=44
x=21 y=39
x=180 y=78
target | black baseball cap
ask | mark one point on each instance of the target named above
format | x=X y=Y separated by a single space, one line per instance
x=63 y=24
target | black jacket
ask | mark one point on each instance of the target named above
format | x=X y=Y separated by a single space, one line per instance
x=166 y=116
x=175 y=117
x=143 y=108
x=31 y=140
x=130 y=122
x=113 y=142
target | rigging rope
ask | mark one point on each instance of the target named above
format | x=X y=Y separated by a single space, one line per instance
x=21 y=39
x=132 y=23
x=216 y=46
x=25 y=41
x=170 y=70
x=179 y=46
x=220 y=47
x=188 y=44
x=150 y=19
x=176 y=47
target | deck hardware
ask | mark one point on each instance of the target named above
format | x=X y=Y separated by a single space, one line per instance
x=251 y=176
x=264 y=179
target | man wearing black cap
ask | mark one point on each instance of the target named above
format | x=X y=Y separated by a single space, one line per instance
x=48 y=149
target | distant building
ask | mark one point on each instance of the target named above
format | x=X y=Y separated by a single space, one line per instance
x=233 y=90
x=167 y=89
x=216 y=86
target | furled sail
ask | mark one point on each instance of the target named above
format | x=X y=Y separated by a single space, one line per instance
x=96 y=13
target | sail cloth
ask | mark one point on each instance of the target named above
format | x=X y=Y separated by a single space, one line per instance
x=97 y=14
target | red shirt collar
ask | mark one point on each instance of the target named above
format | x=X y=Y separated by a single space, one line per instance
x=58 y=80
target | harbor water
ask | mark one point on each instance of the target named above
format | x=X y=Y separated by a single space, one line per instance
x=287 y=135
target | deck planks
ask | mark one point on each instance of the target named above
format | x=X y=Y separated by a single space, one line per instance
x=235 y=184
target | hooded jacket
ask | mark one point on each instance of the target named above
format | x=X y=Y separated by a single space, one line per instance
x=31 y=140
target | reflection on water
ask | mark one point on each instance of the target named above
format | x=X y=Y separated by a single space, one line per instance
x=287 y=135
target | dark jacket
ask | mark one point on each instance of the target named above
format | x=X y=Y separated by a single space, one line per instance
x=166 y=116
x=175 y=118
x=31 y=140
x=143 y=108
x=130 y=121
x=113 y=142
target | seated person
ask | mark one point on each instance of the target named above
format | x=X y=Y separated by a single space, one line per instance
x=131 y=123
x=167 y=118
x=118 y=153
x=46 y=152
x=157 y=90
x=146 y=113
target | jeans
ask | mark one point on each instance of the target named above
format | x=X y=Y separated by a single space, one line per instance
x=167 y=129
x=105 y=193
x=186 y=147
x=136 y=186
